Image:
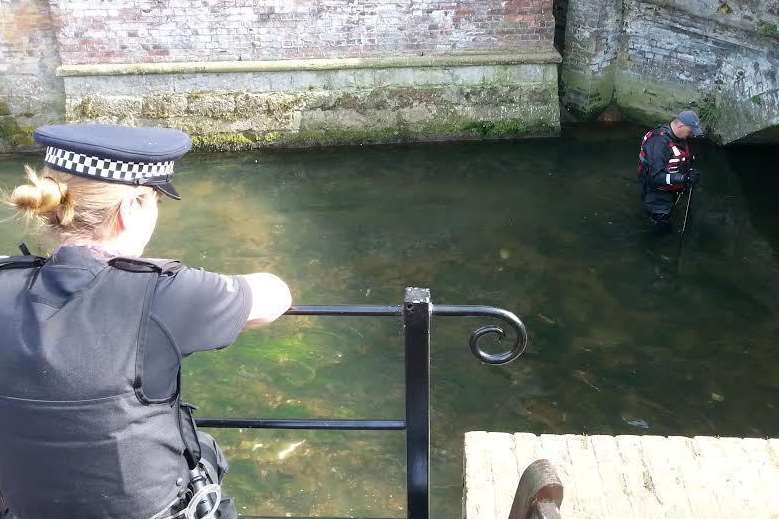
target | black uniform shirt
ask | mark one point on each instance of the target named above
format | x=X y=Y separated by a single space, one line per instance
x=193 y=310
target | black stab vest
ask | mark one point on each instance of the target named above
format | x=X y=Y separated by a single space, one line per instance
x=78 y=439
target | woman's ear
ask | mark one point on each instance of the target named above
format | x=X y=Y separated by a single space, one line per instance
x=127 y=208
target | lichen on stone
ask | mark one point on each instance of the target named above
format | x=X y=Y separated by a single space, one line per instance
x=158 y=106
x=767 y=29
x=100 y=107
x=14 y=134
x=223 y=141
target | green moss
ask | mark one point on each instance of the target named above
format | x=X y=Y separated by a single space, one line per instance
x=488 y=92
x=159 y=106
x=8 y=126
x=270 y=137
x=4 y=109
x=282 y=107
x=198 y=94
x=386 y=110
x=588 y=110
x=650 y=103
x=497 y=128
x=586 y=96
x=224 y=141
x=87 y=109
x=507 y=128
x=756 y=100
x=392 y=97
x=341 y=136
x=502 y=77
x=25 y=137
x=454 y=128
x=767 y=29
x=442 y=130
x=14 y=134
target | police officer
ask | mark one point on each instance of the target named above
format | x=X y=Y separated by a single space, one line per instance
x=91 y=421
x=665 y=166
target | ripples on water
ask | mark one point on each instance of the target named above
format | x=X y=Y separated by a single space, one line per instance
x=631 y=334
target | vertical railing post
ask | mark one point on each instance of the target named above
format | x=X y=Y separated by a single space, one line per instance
x=417 y=310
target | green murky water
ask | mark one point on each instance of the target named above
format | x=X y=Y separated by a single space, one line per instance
x=631 y=334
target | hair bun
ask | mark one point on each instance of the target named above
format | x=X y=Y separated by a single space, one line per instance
x=42 y=195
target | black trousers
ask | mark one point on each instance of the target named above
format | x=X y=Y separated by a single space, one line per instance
x=216 y=465
x=658 y=204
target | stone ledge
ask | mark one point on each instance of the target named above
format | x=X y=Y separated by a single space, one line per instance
x=543 y=56
x=641 y=477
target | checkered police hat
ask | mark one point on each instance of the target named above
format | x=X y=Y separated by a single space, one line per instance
x=119 y=154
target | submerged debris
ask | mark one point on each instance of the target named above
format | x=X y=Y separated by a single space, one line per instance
x=636 y=422
x=292 y=447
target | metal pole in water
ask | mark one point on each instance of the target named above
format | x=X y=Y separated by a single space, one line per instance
x=687 y=211
x=417 y=311
x=684 y=228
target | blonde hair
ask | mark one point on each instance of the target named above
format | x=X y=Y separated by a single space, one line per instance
x=71 y=207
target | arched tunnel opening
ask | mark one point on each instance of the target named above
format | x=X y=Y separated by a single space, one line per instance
x=765 y=136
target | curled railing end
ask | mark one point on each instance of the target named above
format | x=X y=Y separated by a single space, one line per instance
x=520 y=338
x=517 y=348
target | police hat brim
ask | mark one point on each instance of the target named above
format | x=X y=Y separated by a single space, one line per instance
x=138 y=156
x=168 y=190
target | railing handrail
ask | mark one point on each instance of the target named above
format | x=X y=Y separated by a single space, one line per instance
x=416 y=311
x=518 y=347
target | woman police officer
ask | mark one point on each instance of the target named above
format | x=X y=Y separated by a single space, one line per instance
x=91 y=422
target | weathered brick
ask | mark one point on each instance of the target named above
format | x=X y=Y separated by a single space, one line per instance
x=133 y=31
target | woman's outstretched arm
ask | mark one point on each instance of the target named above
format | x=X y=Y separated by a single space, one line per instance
x=270 y=298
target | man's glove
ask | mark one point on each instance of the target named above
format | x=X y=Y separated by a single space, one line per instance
x=684 y=178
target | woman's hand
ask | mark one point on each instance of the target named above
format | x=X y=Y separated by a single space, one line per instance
x=270 y=298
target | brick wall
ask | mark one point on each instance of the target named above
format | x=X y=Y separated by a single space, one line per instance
x=30 y=93
x=139 y=31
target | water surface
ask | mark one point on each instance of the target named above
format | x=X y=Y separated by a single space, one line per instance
x=630 y=333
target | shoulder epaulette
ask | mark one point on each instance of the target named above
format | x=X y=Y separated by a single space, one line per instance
x=22 y=262
x=164 y=267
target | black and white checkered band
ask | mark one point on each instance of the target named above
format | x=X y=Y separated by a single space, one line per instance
x=107 y=169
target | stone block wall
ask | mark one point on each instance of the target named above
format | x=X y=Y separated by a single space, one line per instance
x=592 y=41
x=248 y=73
x=252 y=109
x=30 y=92
x=720 y=57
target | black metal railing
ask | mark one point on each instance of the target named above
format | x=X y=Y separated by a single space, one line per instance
x=416 y=311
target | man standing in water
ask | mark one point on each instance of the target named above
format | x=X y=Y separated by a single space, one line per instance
x=665 y=167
